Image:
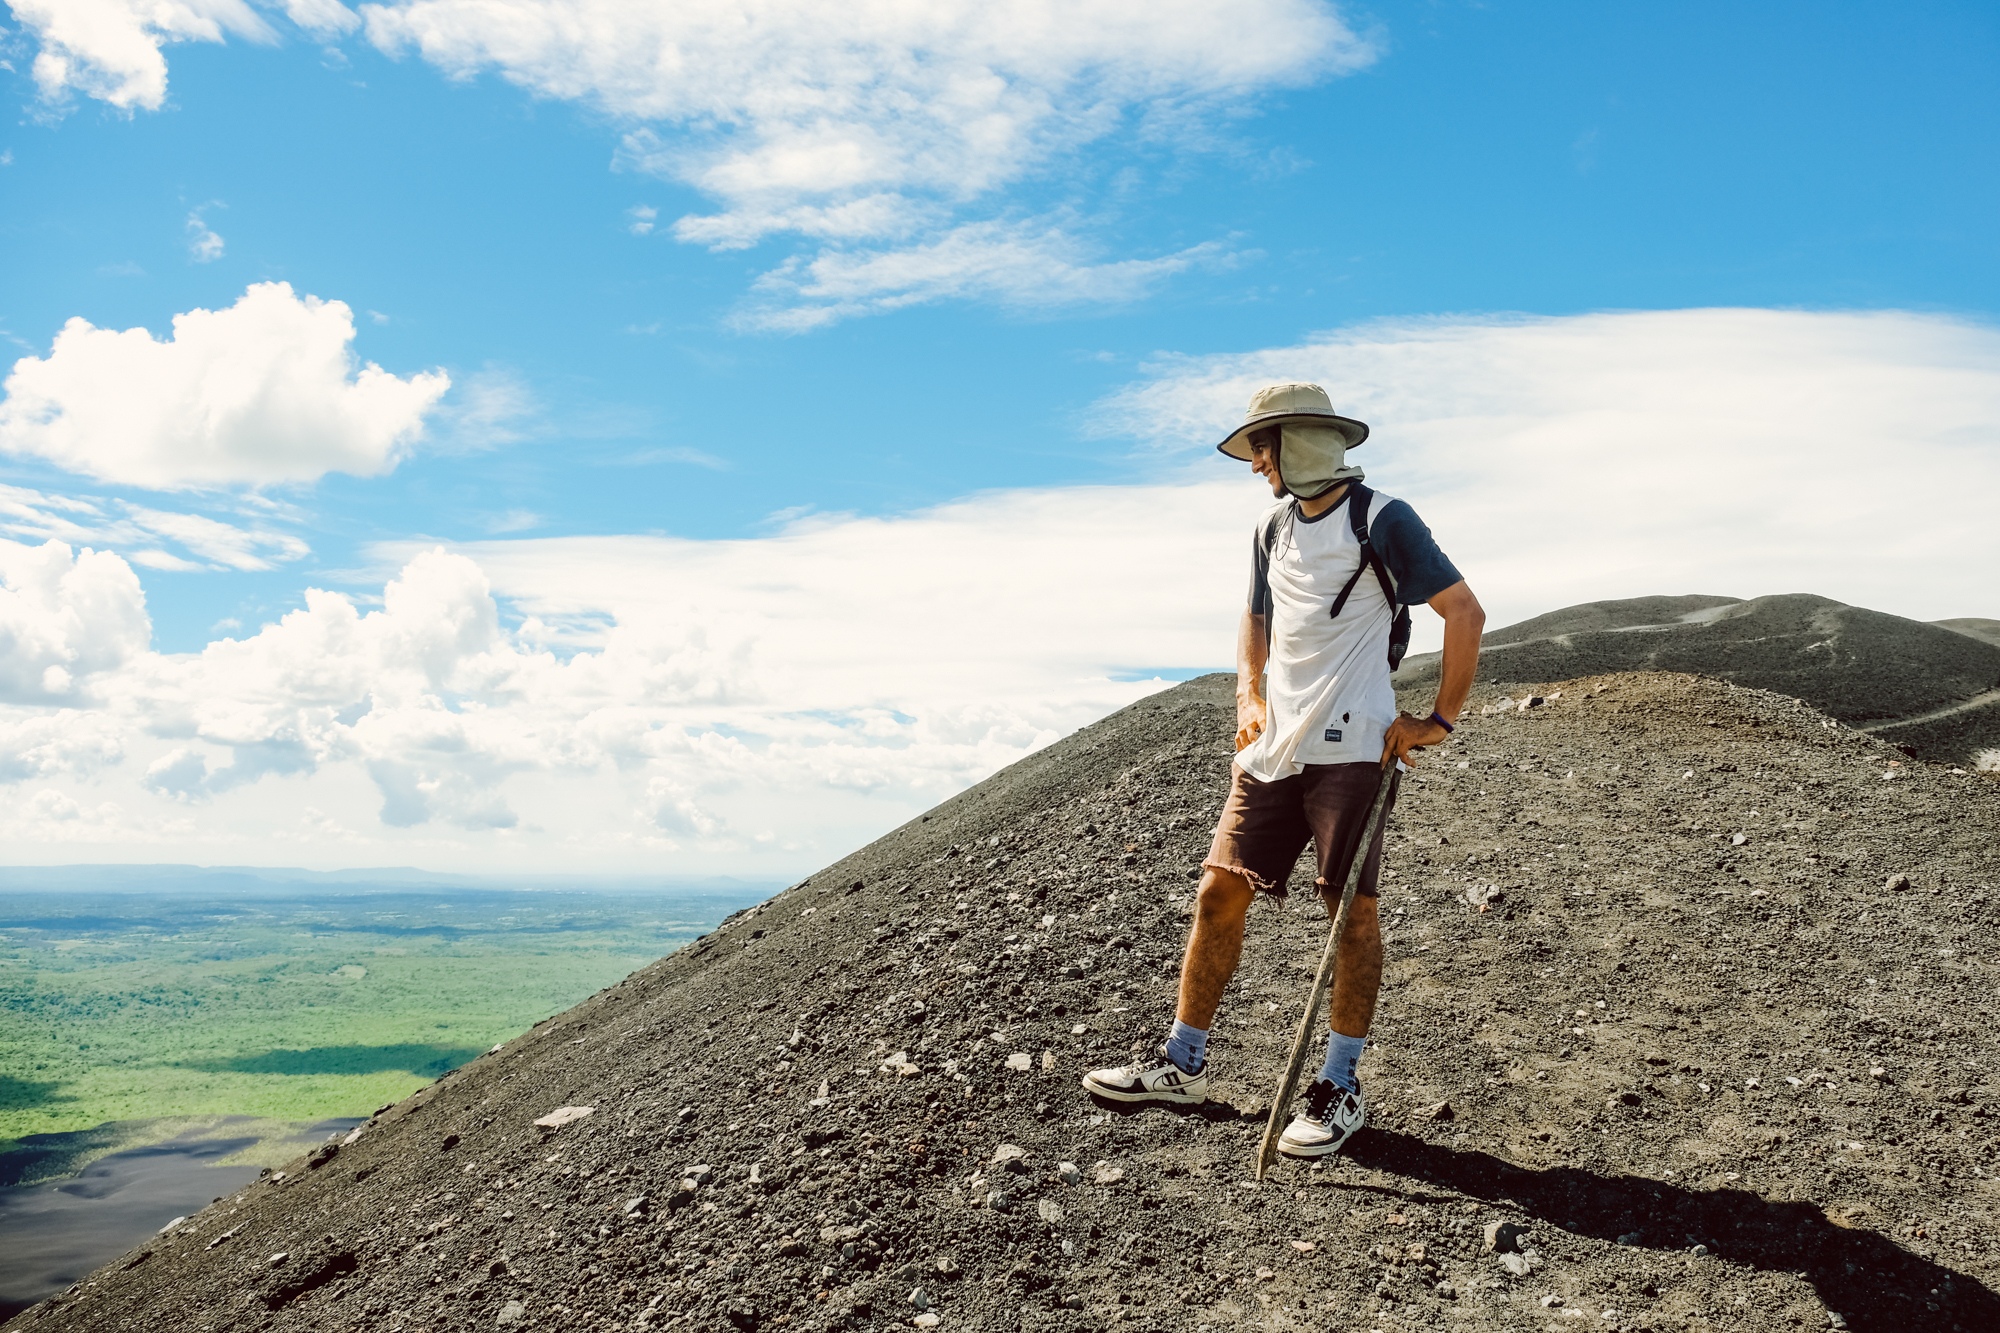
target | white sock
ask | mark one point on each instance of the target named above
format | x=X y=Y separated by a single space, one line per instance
x=1343 y=1053
x=1187 y=1047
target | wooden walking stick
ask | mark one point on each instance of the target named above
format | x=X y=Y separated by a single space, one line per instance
x=1322 y=983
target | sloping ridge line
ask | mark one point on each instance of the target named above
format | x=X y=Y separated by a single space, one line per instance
x=1868 y=669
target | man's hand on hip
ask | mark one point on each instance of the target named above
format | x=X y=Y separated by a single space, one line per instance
x=1406 y=734
x=1250 y=716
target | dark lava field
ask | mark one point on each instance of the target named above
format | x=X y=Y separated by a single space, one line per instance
x=1687 y=1024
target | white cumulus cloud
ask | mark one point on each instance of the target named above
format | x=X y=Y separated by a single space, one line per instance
x=264 y=392
x=112 y=49
x=761 y=705
x=66 y=617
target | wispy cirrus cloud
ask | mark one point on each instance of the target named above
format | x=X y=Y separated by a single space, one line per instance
x=1023 y=266
x=149 y=537
x=205 y=245
x=895 y=148
x=877 y=134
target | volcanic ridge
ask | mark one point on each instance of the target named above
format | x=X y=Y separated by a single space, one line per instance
x=1686 y=1025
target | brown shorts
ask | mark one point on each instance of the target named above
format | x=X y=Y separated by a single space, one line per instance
x=1265 y=825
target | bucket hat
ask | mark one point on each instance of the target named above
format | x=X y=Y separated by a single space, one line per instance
x=1290 y=404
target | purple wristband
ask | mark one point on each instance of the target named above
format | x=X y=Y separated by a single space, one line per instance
x=1442 y=723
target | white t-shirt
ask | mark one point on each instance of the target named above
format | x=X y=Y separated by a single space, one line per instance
x=1327 y=683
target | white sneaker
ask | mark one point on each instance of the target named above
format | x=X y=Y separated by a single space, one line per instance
x=1162 y=1082
x=1332 y=1115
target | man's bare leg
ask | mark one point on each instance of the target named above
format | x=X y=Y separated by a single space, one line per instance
x=1358 y=980
x=1215 y=944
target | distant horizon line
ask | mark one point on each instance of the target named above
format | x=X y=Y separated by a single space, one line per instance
x=120 y=876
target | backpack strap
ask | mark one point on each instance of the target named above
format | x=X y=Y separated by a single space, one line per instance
x=1359 y=501
x=1280 y=522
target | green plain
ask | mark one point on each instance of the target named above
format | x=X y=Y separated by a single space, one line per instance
x=130 y=1016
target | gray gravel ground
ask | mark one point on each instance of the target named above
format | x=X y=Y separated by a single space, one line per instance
x=1698 y=1058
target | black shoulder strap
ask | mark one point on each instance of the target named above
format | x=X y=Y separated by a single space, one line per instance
x=1359 y=501
x=1279 y=518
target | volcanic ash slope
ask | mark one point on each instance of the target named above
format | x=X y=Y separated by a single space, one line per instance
x=1701 y=1062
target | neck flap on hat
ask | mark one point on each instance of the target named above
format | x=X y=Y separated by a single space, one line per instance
x=1313 y=460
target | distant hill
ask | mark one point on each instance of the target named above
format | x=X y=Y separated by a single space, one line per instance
x=1934 y=688
x=1978 y=628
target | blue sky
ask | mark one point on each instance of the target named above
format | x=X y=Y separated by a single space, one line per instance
x=609 y=379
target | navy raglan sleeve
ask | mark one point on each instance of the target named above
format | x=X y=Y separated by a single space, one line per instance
x=1420 y=569
x=1260 y=573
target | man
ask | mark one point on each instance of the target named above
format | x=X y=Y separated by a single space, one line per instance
x=1311 y=745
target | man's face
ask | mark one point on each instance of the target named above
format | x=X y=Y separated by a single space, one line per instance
x=1264 y=457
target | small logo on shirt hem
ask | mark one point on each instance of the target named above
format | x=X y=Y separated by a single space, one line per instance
x=1333 y=733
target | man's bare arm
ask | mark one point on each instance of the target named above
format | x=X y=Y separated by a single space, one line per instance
x=1251 y=650
x=1464 y=619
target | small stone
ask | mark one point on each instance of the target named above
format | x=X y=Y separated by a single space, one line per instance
x=636 y=1207
x=1049 y=1211
x=1048 y=1061
x=1739 y=840
x=1441 y=1111
x=513 y=1312
x=1878 y=1072
x=1699 y=1251
x=947 y=1266
x=277 y=1260
x=1265 y=1275
x=1069 y=1173
x=1106 y=1174
x=1007 y=1154
x=1305 y=1246
x=1504 y=1237
x=1551 y=1302
x=999 y=1202
x=1897 y=883
x=171 y=1225
x=928 y=1319
x=697 y=1175
x=1021 y=1061
x=1517 y=1264
x=565 y=1115
x=919 y=1299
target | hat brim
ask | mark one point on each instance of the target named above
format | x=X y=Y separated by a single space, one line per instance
x=1237 y=445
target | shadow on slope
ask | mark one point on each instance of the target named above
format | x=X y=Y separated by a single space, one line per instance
x=1862 y=1275
x=427 y=1061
